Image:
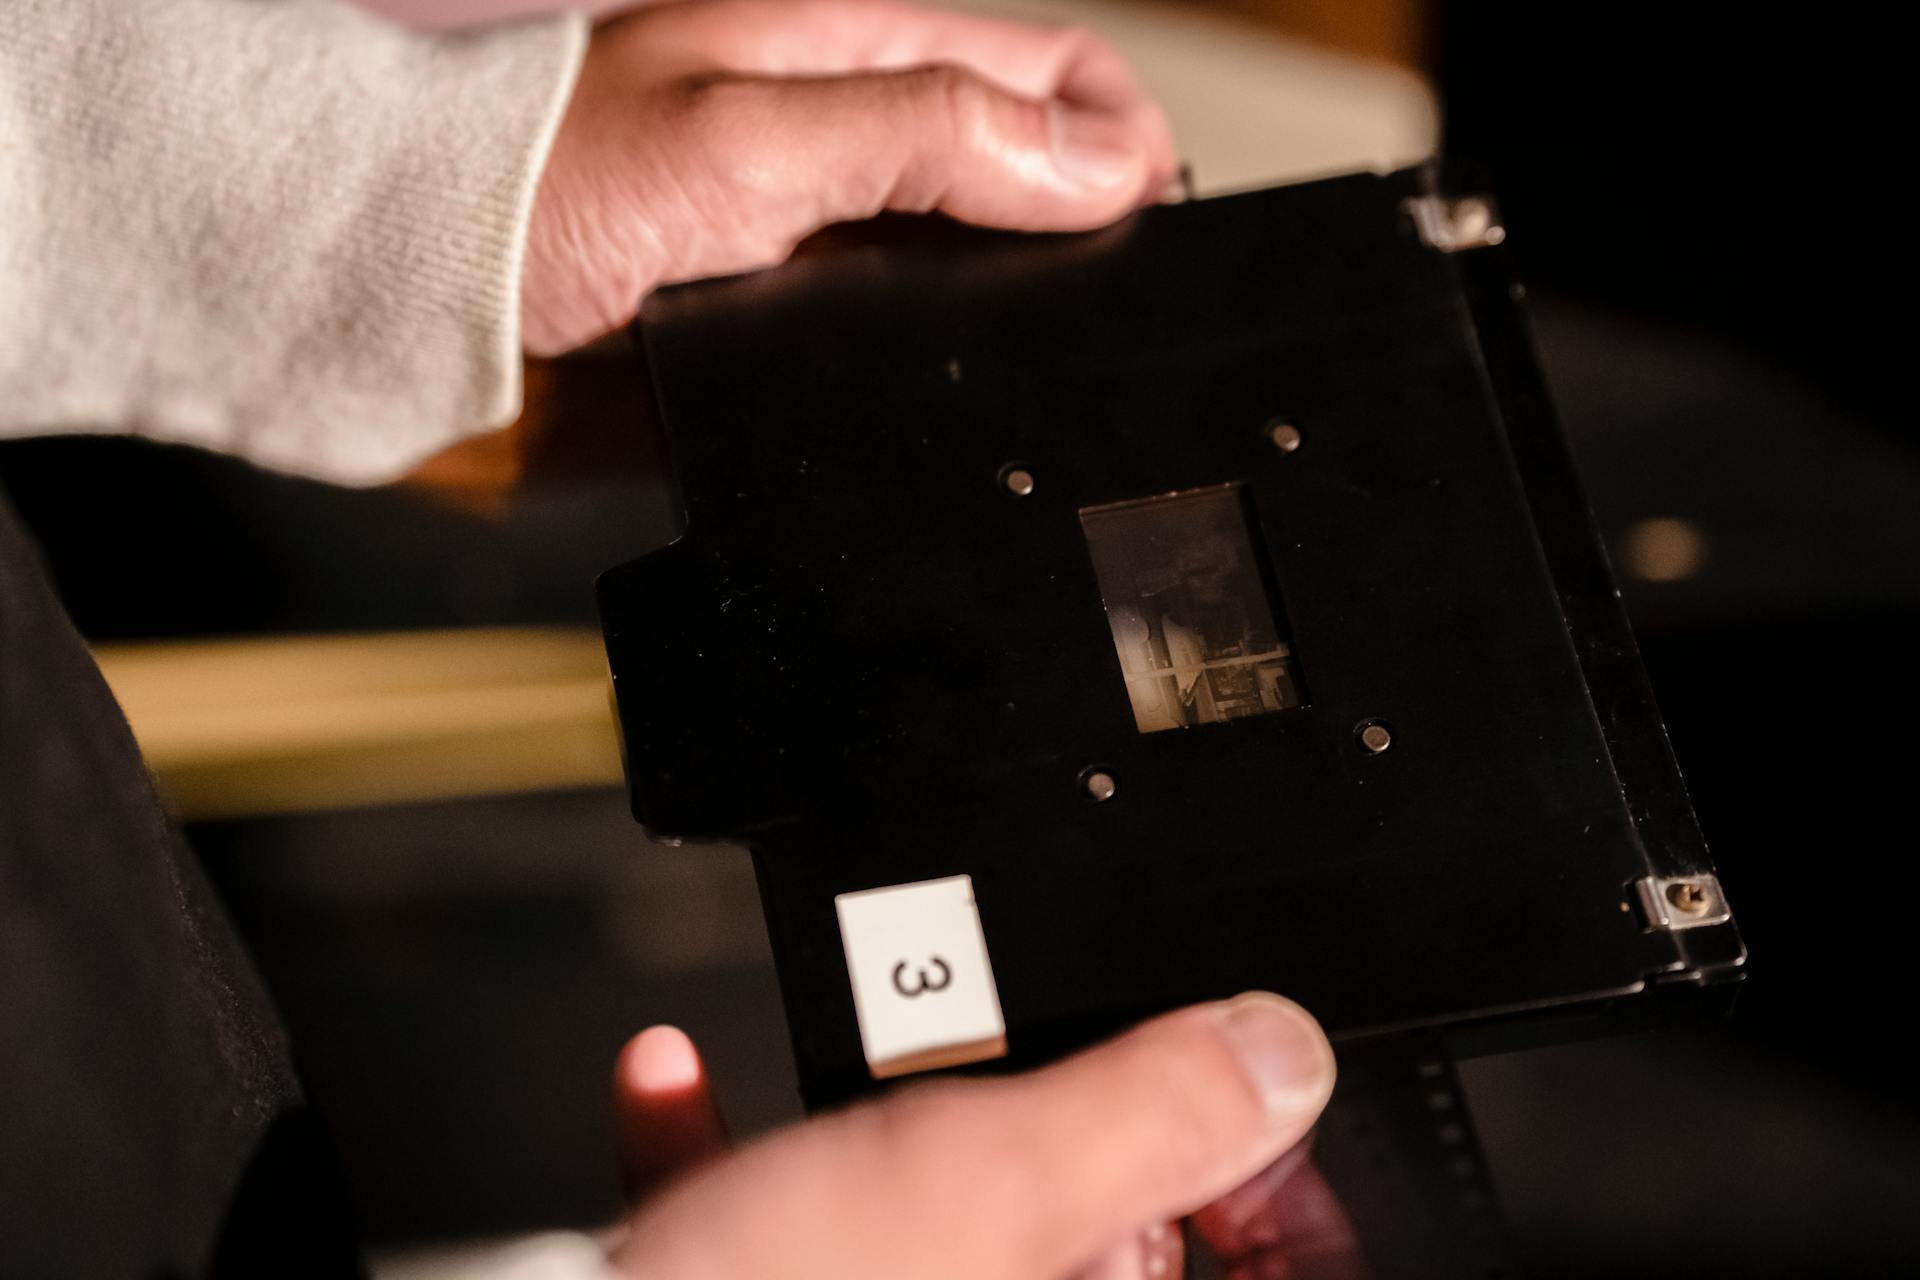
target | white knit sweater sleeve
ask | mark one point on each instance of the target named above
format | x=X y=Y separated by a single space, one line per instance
x=282 y=229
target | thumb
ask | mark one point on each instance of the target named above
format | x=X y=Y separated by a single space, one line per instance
x=836 y=148
x=1019 y=1177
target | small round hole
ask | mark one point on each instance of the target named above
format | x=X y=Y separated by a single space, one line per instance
x=1016 y=480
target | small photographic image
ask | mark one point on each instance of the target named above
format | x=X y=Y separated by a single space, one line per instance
x=1198 y=638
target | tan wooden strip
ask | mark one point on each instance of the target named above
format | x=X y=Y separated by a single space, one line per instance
x=233 y=727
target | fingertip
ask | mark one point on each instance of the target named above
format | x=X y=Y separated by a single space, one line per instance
x=660 y=1060
x=1284 y=1052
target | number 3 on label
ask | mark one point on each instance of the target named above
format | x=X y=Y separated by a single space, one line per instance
x=923 y=982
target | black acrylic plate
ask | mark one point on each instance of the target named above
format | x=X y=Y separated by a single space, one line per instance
x=873 y=664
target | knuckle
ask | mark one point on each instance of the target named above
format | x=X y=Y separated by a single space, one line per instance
x=1206 y=1110
x=721 y=124
x=950 y=1151
x=845 y=11
x=920 y=1117
x=931 y=1132
x=962 y=100
x=1073 y=40
x=706 y=101
x=1205 y=1116
x=1080 y=45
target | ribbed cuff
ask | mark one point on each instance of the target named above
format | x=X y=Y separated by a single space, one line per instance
x=289 y=231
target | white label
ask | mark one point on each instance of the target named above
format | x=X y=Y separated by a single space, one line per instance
x=922 y=984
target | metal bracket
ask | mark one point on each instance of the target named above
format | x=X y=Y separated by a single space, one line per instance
x=1453 y=223
x=1682 y=902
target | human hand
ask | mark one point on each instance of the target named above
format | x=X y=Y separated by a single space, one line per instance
x=710 y=137
x=1075 y=1170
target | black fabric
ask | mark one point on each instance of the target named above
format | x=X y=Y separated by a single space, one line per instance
x=150 y=1121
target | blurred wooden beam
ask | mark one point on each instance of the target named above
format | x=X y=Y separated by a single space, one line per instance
x=1393 y=31
x=233 y=728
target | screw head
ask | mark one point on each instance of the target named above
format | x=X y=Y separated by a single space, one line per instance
x=1099 y=785
x=1690 y=898
x=1017 y=481
x=1374 y=737
x=1285 y=436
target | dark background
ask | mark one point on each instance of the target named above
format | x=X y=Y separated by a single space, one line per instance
x=1704 y=208
x=1701 y=200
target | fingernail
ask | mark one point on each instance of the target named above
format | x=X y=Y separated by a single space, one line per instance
x=1091 y=149
x=662 y=1060
x=1283 y=1051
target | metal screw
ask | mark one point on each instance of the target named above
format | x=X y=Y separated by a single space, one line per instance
x=1018 y=482
x=1375 y=737
x=1285 y=436
x=1690 y=898
x=1099 y=785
